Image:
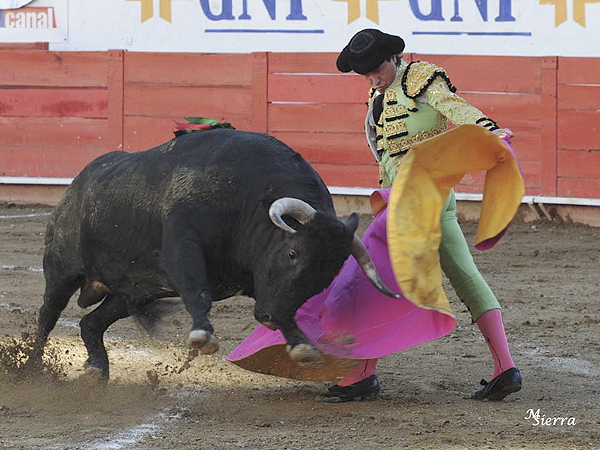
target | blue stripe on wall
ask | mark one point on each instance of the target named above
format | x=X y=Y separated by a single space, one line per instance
x=473 y=33
x=248 y=30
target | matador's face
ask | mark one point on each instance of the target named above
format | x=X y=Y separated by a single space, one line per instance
x=381 y=78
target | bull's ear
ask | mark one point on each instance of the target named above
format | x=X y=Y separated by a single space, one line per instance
x=352 y=222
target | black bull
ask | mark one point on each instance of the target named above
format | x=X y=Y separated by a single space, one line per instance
x=202 y=217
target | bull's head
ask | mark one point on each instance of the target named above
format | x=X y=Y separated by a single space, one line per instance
x=304 y=263
x=303 y=213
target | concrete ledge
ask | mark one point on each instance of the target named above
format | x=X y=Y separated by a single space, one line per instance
x=471 y=209
x=31 y=194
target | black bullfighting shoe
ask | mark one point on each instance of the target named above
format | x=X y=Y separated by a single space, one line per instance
x=369 y=387
x=506 y=383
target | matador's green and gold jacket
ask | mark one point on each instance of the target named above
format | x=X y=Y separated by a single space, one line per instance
x=416 y=106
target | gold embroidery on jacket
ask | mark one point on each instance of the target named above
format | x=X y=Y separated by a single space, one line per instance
x=395 y=112
x=419 y=76
x=391 y=96
x=379 y=135
x=380 y=145
x=395 y=129
x=382 y=174
x=456 y=108
x=400 y=146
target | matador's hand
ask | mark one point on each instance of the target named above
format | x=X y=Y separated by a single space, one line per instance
x=490 y=125
x=504 y=133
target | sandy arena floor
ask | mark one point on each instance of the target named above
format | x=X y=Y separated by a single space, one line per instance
x=546 y=276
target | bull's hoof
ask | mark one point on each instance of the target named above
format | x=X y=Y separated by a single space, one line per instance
x=203 y=340
x=94 y=375
x=212 y=346
x=306 y=356
x=92 y=371
x=34 y=364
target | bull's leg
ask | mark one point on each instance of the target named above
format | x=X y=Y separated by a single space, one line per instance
x=299 y=347
x=59 y=290
x=184 y=262
x=93 y=326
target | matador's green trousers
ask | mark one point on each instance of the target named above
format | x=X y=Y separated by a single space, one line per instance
x=458 y=265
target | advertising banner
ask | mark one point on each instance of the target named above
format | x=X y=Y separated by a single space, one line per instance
x=13 y=4
x=38 y=21
x=477 y=27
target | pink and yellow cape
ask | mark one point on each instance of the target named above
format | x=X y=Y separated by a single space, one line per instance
x=351 y=320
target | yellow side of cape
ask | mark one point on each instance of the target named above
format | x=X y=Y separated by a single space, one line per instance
x=423 y=182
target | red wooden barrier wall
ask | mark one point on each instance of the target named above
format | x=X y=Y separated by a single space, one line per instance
x=53 y=112
x=320 y=113
x=578 y=128
x=60 y=110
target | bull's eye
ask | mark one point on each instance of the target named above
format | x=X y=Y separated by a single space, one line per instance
x=292 y=254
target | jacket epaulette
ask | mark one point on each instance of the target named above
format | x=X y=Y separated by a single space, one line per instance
x=418 y=77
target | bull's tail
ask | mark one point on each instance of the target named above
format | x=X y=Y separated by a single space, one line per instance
x=150 y=315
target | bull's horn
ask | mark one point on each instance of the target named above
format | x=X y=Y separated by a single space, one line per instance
x=298 y=209
x=360 y=253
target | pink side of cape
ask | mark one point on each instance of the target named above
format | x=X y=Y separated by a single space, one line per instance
x=351 y=319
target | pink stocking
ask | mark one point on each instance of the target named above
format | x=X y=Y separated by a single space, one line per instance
x=364 y=369
x=491 y=326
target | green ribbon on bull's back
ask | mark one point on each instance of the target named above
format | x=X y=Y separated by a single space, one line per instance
x=198 y=124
